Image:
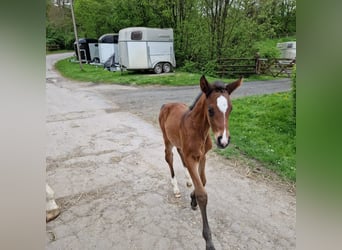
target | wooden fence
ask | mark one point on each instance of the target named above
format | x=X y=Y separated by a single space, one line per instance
x=276 y=66
x=230 y=67
x=52 y=47
x=236 y=66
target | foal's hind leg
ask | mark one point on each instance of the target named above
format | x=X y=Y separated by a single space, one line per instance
x=187 y=175
x=169 y=160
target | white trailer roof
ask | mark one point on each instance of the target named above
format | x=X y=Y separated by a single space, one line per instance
x=146 y=34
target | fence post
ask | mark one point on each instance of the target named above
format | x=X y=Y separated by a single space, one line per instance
x=257 y=63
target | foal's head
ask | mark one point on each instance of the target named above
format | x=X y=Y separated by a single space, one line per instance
x=219 y=106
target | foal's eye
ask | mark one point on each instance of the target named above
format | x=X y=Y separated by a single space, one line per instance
x=211 y=112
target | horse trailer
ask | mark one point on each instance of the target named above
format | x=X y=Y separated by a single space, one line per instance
x=142 y=48
x=287 y=49
x=108 y=46
x=88 y=49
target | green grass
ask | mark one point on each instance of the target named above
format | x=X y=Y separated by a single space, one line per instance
x=262 y=128
x=69 y=68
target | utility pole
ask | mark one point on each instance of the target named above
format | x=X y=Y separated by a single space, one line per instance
x=75 y=31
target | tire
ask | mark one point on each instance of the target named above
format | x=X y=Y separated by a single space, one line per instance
x=158 y=68
x=167 y=67
x=96 y=60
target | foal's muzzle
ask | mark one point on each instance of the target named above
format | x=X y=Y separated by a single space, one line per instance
x=221 y=143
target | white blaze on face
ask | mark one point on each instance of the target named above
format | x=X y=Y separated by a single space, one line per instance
x=222 y=104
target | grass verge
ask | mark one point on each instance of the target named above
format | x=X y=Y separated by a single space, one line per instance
x=262 y=128
x=97 y=74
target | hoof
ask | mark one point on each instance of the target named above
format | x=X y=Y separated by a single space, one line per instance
x=189 y=184
x=209 y=245
x=193 y=205
x=210 y=248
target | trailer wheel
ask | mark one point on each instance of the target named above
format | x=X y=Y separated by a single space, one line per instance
x=96 y=60
x=158 y=68
x=167 y=67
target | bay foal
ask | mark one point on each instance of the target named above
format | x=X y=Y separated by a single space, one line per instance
x=187 y=129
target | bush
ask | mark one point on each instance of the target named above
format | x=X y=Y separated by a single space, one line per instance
x=190 y=66
x=209 y=68
x=267 y=49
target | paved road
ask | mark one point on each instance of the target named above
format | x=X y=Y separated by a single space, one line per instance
x=146 y=101
x=106 y=165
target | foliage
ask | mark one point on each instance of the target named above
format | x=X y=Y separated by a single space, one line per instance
x=267 y=48
x=59 y=29
x=261 y=128
x=207 y=68
x=94 y=17
x=204 y=30
x=190 y=66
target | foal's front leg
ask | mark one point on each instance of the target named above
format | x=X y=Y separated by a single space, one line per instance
x=200 y=195
x=201 y=170
x=193 y=202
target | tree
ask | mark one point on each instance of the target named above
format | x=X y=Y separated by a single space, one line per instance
x=204 y=30
x=93 y=18
x=216 y=13
x=59 y=29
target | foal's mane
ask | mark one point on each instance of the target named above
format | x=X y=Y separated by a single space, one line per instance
x=216 y=86
x=195 y=101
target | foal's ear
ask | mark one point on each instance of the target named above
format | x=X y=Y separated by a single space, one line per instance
x=205 y=86
x=232 y=86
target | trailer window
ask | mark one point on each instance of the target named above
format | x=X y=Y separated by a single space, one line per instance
x=136 y=35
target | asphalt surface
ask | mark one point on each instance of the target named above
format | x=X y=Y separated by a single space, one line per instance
x=105 y=163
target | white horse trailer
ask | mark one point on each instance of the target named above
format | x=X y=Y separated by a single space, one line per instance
x=287 y=49
x=108 y=46
x=142 y=48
